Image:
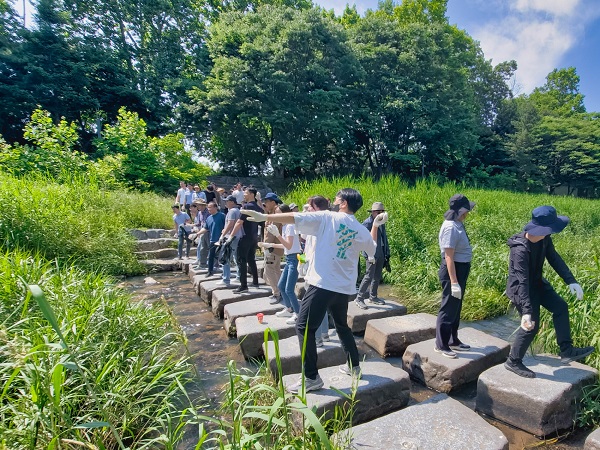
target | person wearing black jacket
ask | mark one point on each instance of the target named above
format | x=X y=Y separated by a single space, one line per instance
x=527 y=289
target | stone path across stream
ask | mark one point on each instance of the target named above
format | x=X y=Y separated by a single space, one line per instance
x=211 y=347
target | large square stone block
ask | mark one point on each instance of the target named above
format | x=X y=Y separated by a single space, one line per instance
x=390 y=336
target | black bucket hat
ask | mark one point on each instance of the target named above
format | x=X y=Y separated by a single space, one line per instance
x=545 y=221
x=459 y=204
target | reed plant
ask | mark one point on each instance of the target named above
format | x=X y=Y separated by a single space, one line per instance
x=84 y=367
x=77 y=222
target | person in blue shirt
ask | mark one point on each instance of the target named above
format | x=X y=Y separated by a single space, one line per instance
x=214 y=227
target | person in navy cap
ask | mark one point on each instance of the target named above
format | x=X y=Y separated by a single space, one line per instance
x=528 y=289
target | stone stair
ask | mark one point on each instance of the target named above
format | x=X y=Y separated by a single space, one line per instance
x=383 y=413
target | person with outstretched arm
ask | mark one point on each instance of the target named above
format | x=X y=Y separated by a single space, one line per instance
x=527 y=289
x=332 y=275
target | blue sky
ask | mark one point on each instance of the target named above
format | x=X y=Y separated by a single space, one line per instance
x=539 y=34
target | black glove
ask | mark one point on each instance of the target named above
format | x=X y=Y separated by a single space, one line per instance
x=386 y=264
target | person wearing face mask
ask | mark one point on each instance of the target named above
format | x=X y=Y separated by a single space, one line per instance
x=527 y=289
x=454 y=270
x=370 y=283
x=331 y=276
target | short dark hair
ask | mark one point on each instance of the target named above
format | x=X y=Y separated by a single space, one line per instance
x=352 y=197
x=175 y=206
x=252 y=190
x=212 y=204
x=318 y=202
x=284 y=208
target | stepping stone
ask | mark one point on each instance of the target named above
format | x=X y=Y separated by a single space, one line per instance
x=251 y=334
x=158 y=254
x=382 y=389
x=157 y=233
x=541 y=405
x=138 y=234
x=390 y=336
x=593 y=441
x=358 y=318
x=247 y=308
x=161 y=265
x=331 y=354
x=155 y=244
x=226 y=296
x=200 y=280
x=438 y=423
x=208 y=287
x=444 y=374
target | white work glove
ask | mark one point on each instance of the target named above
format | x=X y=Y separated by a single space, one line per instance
x=371 y=259
x=230 y=239
x=456 y=291
x=380 y=219
x=576 y=290
x=526 y=323
x=254 y=216
x=273 y=230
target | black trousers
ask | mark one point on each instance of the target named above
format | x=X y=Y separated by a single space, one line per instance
x=315 y=304
x=543 y=295
x=448 y=319
x=246 y=253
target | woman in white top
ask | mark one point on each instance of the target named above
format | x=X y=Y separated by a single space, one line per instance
x=290 y=242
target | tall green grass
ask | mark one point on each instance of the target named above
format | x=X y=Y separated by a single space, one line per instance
x=76 y=221
x=82 y=366
x=416 y=213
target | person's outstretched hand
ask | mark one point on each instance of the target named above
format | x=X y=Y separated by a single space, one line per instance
x=380 y=219
x=254 y=216
x=273 y=230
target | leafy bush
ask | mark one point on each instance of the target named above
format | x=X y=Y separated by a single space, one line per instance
x=76 y=221
x=106 y=372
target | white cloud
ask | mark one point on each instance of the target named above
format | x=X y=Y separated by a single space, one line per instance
x=554 y=7
x=535 y=33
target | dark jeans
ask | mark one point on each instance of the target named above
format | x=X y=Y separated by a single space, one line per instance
x=245 y=260
x=448 y=319
x=212 y=251
x=543 y=295
x=314 y=306
x=370 y=282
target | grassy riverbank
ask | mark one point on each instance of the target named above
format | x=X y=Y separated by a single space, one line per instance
x=77 y=222
x=416 y=214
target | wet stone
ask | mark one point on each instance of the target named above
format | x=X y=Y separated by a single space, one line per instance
x=391 y=335
x=358 y=318
x=382 y=389
x=211 y=285
x=226 y=296
x=251 y=333
x=444 y=374
x=593 y=441
x=542 y=405
x=331 y=354
x=160 y=265
x=247 y=308
x=158 y=254
x=198 y=281
x=438 y=423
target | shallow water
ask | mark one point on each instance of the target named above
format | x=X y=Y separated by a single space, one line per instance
x=211 y=350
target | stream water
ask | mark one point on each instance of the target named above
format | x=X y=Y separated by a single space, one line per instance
x=211 y=350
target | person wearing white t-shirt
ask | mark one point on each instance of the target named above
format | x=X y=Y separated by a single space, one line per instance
x=289 y=240
x=180 y=197
x=332 y=275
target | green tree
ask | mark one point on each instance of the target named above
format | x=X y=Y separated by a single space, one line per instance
x=560 y=94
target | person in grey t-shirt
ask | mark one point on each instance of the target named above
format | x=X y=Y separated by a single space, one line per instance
x=454 y=271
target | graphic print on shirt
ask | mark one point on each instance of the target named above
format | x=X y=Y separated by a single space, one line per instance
x=344 y=241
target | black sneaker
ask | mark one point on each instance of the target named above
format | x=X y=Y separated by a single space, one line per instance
x=255 y=285
x=240 y=290
x=208 y=274
x=575 y=354
x=376 y=301
x=462 y=347
x=519 y=368
x=360 y=303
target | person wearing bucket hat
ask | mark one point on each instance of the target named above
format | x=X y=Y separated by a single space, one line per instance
x=454 y=270
x=370 y=282
x=527 y=289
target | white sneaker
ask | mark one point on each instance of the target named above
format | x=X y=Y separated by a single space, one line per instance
x=273 y=300
x=222 y=283
x=292 y=320
x=309 y=385
x=284 y=313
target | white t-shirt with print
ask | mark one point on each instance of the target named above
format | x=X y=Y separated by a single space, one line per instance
x=287 y=231
x=340 y=239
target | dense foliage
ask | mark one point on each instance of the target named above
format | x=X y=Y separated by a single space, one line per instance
x=76 y=221
x=82 y=365
x=285 y=88
x=416 y=214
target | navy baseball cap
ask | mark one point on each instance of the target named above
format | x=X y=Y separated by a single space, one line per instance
x=272 y=196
